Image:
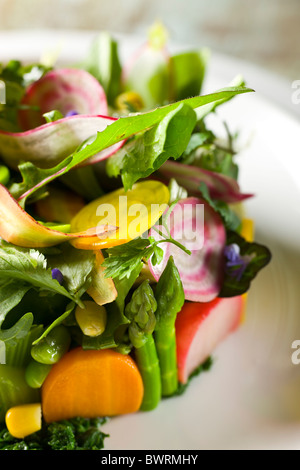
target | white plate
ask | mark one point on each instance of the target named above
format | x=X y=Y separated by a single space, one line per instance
x=250 y=398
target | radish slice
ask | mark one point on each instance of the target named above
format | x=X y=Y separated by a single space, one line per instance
x=64 y=90
x=200 y=328
x=47 y=145
x=194 y=224
x=220 y=186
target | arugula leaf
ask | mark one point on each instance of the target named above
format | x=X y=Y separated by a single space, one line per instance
x=202 y=112
x=251 y=257
x=122 y=129
x=148 y=152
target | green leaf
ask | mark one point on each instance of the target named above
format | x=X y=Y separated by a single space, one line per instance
x=124 y=259
x=230 y=218
x=198 y=139
x=52 y=116
x=148 y=152
x=29 y=267
x=11 y=293
x=205 y=367
x=56 y=322
x=16 y=77
x=76 y=267
x=18 y=341
x=121 y=129
x=19 y=330
x=188 y=70
x=103 y=62
x=256 y=256
x=203 y=111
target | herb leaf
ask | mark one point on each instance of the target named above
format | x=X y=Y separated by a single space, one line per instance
x=25 y=269
x=255 y=257
x=122 y=129
x=230 y=218
x=149 y=151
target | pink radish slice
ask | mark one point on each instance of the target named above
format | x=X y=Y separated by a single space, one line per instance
x=220 y=186
x=201 y=327
x=201 y=272
x=65 y=90
x=47 y=145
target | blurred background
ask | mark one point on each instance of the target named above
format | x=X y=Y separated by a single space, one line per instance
x=265 y=32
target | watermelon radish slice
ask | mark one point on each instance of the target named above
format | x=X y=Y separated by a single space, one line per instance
x=64 y=90
x=47 y=145
x=220 y=186
x=201 y=327
x=194 y=224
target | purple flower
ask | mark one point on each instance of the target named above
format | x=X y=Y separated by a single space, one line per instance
x=72 y=112
x=235 y=260
x=57 y=274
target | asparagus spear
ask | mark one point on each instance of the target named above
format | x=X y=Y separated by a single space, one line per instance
x=169 y=295
x=141 y=312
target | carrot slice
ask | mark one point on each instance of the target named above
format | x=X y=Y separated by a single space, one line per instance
x=92 y=383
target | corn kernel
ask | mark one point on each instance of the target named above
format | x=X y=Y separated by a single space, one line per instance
x=91 y=319
x=23 y=420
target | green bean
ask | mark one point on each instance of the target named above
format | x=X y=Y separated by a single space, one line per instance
x=52 y=347
x=36 y=373
x=169 y=295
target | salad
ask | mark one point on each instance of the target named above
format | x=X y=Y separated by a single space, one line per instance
x=125 y=253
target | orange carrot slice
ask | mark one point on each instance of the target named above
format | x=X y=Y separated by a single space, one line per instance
x=92 y=383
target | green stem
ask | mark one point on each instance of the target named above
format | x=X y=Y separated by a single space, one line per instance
x=147 y=361
x=165 y=341
x=169 y=295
